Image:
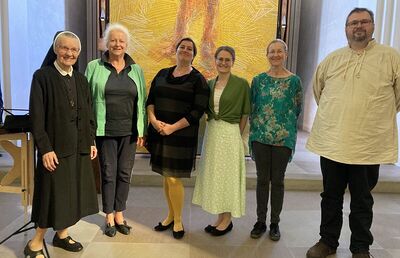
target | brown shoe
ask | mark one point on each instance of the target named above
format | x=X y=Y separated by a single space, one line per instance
x=320 y=250
x=361 y=255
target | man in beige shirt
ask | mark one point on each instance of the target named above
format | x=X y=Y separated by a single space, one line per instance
x=357 y=89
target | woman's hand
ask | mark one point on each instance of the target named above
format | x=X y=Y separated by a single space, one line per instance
x=93 y=152
x=167 y=129
x=158 y=125
x=141 y=141
x=50 y=161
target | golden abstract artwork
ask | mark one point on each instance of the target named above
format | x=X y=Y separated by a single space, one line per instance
x=156 y=25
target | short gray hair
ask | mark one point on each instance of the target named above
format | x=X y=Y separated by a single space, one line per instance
x=118 y=27
x=68 y=34
x=278 y=41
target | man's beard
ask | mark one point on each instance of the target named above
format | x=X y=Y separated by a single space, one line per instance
x=359 y=37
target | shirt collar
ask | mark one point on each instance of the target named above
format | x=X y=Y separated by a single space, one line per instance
x=370 y=45
x=128 y=59
x=60 y=70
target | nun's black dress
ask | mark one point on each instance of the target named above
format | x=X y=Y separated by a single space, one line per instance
x=62 y=121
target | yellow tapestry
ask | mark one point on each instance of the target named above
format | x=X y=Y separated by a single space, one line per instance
x=156 y=25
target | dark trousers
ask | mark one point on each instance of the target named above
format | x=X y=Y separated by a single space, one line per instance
x=360 y=179
x=116 y=156
x=271 y=162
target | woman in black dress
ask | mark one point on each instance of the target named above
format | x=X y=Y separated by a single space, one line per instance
x=63 y=129
x=177 y=99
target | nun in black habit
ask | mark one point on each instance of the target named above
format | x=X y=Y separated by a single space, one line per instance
x=63 y=128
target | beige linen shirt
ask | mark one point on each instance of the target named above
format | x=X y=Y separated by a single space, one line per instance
x=358 y=97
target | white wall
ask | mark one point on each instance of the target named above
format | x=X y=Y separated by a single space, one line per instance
x=5 y=55
x=322 y=30
x=32 y=25
x=1 y=43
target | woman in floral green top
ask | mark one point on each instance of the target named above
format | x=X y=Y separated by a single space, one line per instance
x=276 y=97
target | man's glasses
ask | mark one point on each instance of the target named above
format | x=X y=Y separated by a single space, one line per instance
x=355 y=23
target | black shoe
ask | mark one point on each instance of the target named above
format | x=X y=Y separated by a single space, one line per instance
x=178 y=234
x=66 y=245
x=209 y=228
x=258 y=230
x=274 y=233
x=161 y=227
x=217 y=232
x=30 y=253
x=123 y=228
x=110 y=230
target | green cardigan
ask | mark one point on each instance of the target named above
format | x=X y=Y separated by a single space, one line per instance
x=234 y=102
x=97 y=75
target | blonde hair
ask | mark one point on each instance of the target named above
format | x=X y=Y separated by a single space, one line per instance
x=285 y=47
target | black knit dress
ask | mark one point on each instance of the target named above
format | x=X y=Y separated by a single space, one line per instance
x=175 y=98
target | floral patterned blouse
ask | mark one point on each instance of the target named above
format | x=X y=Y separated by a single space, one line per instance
x=275 y=107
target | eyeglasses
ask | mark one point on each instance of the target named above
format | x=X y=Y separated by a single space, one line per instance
x=226 y=60
x=65 y=49
x=355 y=23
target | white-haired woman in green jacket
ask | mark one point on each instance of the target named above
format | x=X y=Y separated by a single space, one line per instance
x=119 y=95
